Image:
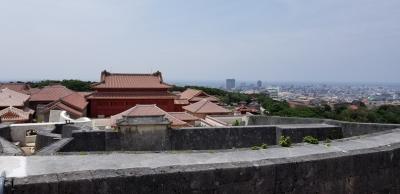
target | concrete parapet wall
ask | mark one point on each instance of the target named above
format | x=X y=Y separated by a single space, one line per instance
x=375 y=170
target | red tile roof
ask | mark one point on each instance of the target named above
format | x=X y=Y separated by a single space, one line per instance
x=131 y=81
x=85 y=94
x=75 y=104
x=209 y=98
x=194 y=95
x=132 y=95
x=183 y=116
x=10 y=97
x=206 y=107
x=181 y=101
x=75 y=100
x=60 y=106
x=18 y=87
x=148 y=110
x=33 y=90
x=50 y=93
x=12 y=114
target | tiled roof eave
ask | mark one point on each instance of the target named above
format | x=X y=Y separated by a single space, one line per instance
x=108 y=87
x=130 y=97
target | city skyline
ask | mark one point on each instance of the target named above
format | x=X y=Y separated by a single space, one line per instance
x=292 y=41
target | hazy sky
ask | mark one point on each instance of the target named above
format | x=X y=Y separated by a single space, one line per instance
x=275 y=40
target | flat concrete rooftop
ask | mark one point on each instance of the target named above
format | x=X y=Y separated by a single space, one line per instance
x=21 y=166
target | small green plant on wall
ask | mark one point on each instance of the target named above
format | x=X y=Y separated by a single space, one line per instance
x=236 y=123
x=285 y=141
x=262 y=146
x=310 y=140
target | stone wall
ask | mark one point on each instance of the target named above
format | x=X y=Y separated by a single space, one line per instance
x=18 y=131
x=374 y=170
x=144 y=137
x=355 y=129
x=196 y=138
x=44 y=138
x=318 y=131
x=274 y=120
x=178 y=139
x=86 y=141
x=5 y=132
x=349 y=128
x=8 y=148
x=54 y=147
x=221 y=138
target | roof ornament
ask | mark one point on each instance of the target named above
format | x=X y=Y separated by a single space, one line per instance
x=104 y=74
x=158 y=73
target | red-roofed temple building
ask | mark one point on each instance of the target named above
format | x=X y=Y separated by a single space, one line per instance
x=118 y=92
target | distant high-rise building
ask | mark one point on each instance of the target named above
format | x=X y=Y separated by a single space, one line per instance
x=259 y=83
x=230 y=84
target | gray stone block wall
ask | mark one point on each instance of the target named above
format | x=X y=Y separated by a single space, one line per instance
x=45 y=138
x=112 y=141
x=198 y=138
x=86 y=141
x=144 y=138
x=349 y=128
x=54 y=147
x=177 y=139
x=355 y=129
x=318 y=131
x=275 y=120
x=8 y=148
x=221 y=138
x=5 y=132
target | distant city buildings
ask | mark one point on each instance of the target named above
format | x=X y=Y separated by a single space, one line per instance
x=230 y=84
x=259 y=84
x=273 y=92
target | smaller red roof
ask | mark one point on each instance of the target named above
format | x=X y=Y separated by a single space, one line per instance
x=206 y=107
x=148 y=110
x=12 y=114
x=76 y=100
x=75 y=104
x=10 y=97
x=194 y=95
x=181 y=102
x=18 y=87
x=183 y=116
x=50 y=93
